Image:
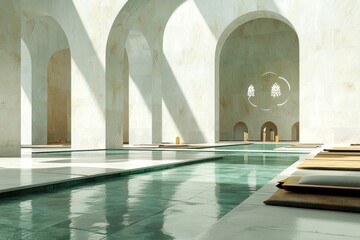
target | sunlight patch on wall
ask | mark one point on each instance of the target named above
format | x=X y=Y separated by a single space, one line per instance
x=269 y=91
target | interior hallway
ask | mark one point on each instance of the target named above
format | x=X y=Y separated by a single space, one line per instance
x=49 y=172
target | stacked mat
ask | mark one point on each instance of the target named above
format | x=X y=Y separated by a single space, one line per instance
x=344 y=158
x=331 y=192
x=318 y=192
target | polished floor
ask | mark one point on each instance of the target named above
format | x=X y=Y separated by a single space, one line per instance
x=212 y=199
x=252 y=219
x=50 y=169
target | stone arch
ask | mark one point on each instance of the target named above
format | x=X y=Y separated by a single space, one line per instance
x=53 y=39
x=239 y=129
x=244 y=109
x=270 y=130
x=117 y=71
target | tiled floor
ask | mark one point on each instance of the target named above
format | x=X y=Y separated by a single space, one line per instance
x=254 y=220
x=49 y=169
x=178 y=203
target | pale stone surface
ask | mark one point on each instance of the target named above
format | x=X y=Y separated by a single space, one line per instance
x=262 y=46
x=180 y=95
x=86 y=27
x=140 y=88
x=59 y=98
x=43 y=36
x=189 y=77
x=26 y=95
x=10 y=79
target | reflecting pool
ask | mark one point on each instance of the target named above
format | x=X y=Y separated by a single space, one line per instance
x=177 y=203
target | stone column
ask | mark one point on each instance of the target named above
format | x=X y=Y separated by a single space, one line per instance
x=10 y=45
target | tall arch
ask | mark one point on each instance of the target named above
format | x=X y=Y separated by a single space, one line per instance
x=259 y=50
x=131 y=41
x=43 y=36
x=117 y=71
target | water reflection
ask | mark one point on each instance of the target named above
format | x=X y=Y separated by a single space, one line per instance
x=196 y=204
x=170 y=204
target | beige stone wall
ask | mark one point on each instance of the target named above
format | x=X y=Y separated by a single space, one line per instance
x=59 y=97
x=258 y=53
x=186 y=65
x=10 y=63
x=43 y=36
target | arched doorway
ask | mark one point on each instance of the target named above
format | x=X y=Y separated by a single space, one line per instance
x=133 y=54
x=59 y=98
x=50 y=63
x=124 y=62
x=269 y=130
x=239 y=130
x=258 y=73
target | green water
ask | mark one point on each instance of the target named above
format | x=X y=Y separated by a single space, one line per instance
x=177 y=203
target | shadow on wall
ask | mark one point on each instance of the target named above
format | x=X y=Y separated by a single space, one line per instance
x=179 y=108
x=175 y=102
x=31 y=10
x=216 y=10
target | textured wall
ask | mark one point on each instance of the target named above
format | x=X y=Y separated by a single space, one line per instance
x=329 y=75
x=188 y=77
x=95 y=108
x=59 y=98
x=140 y=88
x=186 y=62
x=328 y=63
x=250 y=56
x=43 y=36
x=10 y=45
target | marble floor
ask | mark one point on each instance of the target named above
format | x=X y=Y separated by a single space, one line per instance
x=252 y=219
x=219 y=198
x=47 y=168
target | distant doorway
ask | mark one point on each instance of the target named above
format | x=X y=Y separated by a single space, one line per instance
x=269 y=130
x=239 y=130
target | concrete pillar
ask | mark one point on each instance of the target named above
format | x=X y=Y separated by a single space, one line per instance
x=10 y=48
x=26 y=95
